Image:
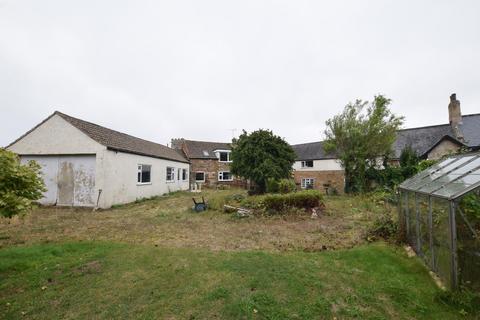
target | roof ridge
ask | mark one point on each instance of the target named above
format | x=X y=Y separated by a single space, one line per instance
x=424 y=127
x=301 y=144
x=203 y=141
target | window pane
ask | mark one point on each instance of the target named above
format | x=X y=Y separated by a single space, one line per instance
x=199 y=176
x=223 y=156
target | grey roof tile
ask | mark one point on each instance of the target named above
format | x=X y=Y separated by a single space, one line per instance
x=204 y=149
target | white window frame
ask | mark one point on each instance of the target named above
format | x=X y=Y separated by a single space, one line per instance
x=196 y=176
x=139 y=171
x=172 y=174
x=304 y=164
x=304 y=184
x=185 y=175
x=228 y=152
x=220 y=176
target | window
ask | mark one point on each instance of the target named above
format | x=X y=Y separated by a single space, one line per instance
x=170 y=174
x=184 y=174
x=225 y=176
x=144 y=173
x=224 y=156
x=307 y=164
x=307 y=183
x=200 y=176
x=179 y=174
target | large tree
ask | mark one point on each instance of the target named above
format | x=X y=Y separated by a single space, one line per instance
x=20 y=184
x=261 y=155
x=360 y=136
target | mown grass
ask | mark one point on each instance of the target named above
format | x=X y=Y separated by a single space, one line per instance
x=104 y=280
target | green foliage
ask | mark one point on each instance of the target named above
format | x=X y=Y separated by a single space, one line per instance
x=286 y=186
x=261 y=155
x=271 y=185
x=360 y=137
x=279 y=203
x=464 y=300
x=470 y=205
x=425 y=164
x=20 y=184
x=384 y=227
x=408 y=162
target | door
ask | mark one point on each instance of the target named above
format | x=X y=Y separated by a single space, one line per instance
x=70 y=180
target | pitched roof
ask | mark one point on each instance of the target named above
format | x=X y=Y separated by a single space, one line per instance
x=118 y=141
x=311 y=151
x=204 y=149
x=421 y=139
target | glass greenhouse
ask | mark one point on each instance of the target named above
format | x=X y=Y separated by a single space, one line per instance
x=440 y=216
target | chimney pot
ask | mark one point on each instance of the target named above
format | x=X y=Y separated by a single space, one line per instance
x=453 y=97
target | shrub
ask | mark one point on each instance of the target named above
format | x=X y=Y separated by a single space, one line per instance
x=20 y=184
x=278 y=203
x=467 y=301
x=271 y=185
x=383 y=227
x=286 y=186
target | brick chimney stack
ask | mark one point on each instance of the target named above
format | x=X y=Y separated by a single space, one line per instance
x=455 y=116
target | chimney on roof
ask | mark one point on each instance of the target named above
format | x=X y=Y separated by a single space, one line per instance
x=455 y=116
x=177 y=143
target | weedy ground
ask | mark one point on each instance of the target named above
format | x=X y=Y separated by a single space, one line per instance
x=156 y=259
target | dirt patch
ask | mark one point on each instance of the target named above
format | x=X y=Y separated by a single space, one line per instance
x=91 y=267
x=169 y=222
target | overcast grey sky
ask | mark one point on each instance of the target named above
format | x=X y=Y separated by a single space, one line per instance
x=196 y=69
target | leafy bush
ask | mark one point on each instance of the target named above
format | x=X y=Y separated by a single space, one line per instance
x=278 y=203
x=468 y=302
x=470 y=205
x=20 y=185
x=384 y=227
x=271 y=185
x=424 y=164
x=286 y=186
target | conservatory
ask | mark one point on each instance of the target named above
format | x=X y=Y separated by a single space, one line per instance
x=440 y=218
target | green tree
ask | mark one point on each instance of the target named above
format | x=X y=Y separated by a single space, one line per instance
x=361 y=135
x=409 y=162
x=261 y=155
x=20 y=184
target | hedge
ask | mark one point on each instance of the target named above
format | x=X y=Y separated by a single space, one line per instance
x=303 y=200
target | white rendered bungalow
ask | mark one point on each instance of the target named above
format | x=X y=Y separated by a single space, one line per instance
x=84 y=164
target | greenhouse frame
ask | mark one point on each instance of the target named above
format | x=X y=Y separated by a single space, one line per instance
x=440 y=218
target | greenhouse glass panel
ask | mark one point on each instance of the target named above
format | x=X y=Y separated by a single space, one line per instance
x=417 y=178
x=468 y=241
x=412 y=221
x=442 y=262
x=424 y=229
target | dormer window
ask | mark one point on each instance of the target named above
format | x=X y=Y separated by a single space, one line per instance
x=307 y=164
x=224 y=156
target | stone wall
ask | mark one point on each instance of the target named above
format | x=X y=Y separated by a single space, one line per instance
x=333 y=178
x=445 y=147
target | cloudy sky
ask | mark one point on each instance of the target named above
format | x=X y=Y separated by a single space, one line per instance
x=198 y=69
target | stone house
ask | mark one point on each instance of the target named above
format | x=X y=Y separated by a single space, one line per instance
x=314 y=167
x=209 y=162
x=84 y=164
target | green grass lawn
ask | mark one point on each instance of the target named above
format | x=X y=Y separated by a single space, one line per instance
x=91 y=280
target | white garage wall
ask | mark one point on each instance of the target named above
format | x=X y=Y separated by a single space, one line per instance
x=120 y=178
x=56 y=136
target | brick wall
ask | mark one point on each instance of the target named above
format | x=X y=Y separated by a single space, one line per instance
x=211 y=167
x=334 y=178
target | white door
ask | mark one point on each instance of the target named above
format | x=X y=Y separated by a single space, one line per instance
x=70 y=180
x=49 y=172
